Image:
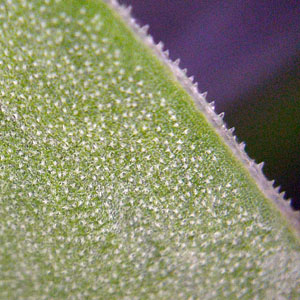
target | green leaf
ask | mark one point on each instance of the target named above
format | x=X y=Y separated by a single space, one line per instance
x=117 y=180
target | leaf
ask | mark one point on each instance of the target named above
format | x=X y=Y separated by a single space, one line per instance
x=117 y=180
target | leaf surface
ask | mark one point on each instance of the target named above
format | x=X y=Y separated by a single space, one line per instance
x=113 y=184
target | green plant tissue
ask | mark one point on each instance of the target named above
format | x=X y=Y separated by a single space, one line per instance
x=113 y=184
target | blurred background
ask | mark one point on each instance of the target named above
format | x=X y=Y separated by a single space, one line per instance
x=246 y=54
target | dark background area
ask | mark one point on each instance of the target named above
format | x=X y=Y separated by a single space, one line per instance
x=246 y=54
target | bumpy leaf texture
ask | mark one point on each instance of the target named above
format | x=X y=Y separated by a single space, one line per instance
x=113 y=183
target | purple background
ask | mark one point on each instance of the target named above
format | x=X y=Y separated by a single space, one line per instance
x=246 y=55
